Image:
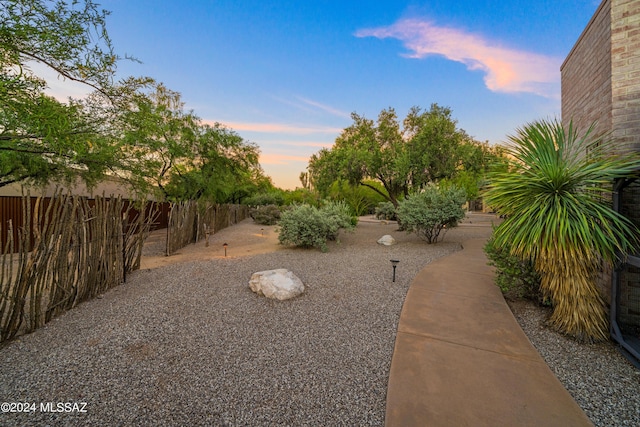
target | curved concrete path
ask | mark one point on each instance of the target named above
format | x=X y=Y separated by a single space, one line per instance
x=461 y=359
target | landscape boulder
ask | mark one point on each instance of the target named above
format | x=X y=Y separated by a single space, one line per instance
x=280 y=284
x=387 y=240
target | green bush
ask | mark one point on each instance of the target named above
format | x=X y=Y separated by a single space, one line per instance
x=362 y=199
x=264 y=199
x=431 y=211
x=265 y=215
x=386 y=211
x=515 y=277
x=339 y=215
x=307 y=226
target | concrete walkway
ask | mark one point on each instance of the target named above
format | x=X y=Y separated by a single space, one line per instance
x=461 y=359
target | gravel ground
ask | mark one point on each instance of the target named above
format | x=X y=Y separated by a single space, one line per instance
x=188 y=343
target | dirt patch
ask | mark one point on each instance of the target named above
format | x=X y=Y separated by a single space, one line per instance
x=243 y=239
x=248 y=238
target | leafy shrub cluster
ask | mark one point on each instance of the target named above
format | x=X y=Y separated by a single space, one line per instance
x=360 y=198
x=264 y=199
x=307 y=226
x=386 y=211
x=431 y=211
x=515 y=277
x=265 y=215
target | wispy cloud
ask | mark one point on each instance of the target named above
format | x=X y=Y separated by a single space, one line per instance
x=325 y=108
x=278 y=128
x=506 y=69
x=311 y=106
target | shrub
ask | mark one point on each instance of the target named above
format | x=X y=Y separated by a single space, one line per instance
x=431 y=211
x=307 y=226
x=362 y=199
x=339 y=217
x=265 y=215
x=264 y=199
x=386 y=211
x=515 y=276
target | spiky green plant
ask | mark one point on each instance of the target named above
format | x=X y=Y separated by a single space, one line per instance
x=556 y=195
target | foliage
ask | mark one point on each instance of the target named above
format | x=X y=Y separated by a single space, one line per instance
x=262 y=199
x=308 y=226
x=515 y=276
x=172 y=151
x=340 y=216
x=429 y=212
x=386 y=211
x=360 y=199
x=425 y=149
x=555 y=194
x=135 y=129
x=42 y=139
x=300 y=196
x=265 y=214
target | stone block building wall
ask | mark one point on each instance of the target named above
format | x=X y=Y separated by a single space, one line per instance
x=586 y=75
x=625 y=72
x=601 y=82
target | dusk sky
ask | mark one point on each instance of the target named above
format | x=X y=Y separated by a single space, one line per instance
x=287 y=74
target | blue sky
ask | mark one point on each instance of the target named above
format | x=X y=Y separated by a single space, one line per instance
x=287 y=74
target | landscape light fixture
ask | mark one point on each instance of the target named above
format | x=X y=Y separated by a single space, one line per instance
x=224 y=245
x=394 y=263
x=262 y=231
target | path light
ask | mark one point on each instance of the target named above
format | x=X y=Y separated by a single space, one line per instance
x=224 y=245
x=394 y=263
x=262 y=231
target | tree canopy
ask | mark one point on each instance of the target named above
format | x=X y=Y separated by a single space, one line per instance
x=135 y=128
x=40 y=137
x=427 y=147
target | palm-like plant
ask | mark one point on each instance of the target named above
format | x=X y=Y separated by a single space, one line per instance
x=556 y=198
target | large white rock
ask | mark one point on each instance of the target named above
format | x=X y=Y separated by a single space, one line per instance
x=387 y=240
x=278 y=284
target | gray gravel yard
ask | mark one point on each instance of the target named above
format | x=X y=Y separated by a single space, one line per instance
x=188 y=343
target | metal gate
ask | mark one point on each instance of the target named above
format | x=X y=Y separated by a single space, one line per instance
x=625 y=292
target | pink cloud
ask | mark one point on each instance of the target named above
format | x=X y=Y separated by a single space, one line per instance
x=506 y=70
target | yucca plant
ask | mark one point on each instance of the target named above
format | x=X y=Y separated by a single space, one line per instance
x=556 y=196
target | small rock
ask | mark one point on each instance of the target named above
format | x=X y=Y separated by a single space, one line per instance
x=387 y=240
x=280 y=284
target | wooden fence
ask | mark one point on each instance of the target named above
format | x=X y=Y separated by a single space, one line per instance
x=67 y=249
x=11 y=209
x=189 y=222
x=58 y=251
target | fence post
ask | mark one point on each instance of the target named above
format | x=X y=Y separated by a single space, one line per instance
x=169 y=217
x=124 y=246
